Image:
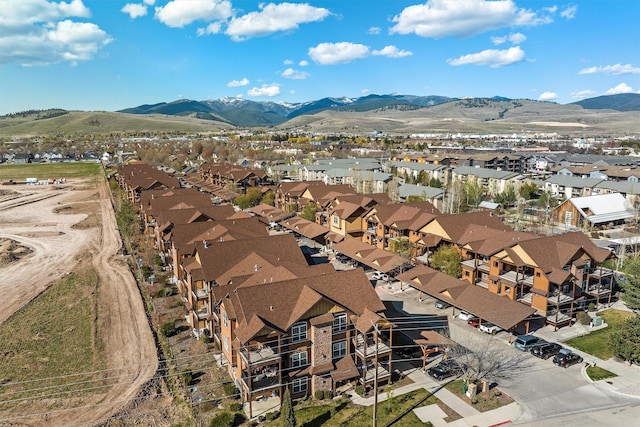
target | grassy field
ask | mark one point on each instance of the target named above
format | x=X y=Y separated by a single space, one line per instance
x=597 y=373
x=596 y=342
x=48 y=170
x=343 y=413
x=49 y=347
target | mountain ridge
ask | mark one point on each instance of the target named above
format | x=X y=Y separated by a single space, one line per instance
x=242 y=112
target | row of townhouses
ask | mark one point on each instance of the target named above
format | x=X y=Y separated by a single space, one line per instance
x=281 y=322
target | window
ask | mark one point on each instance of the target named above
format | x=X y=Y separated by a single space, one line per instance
x=226 y=344
x=495 y=263
x=299 y=385
x=335 y=220
x=299 y=332
x=225 y=319
x=299 y=359
x=340 y=323
x=339 y=349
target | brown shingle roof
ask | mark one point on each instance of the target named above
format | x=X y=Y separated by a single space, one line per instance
x=371 y=256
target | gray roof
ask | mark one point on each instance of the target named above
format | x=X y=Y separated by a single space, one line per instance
x=573 y=181
x=417 y=166
x=406 y=190
x=624 y=187
x=484 y=172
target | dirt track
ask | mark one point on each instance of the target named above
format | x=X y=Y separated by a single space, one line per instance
x=67 y=227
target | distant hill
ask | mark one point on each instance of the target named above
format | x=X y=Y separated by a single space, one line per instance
x=393 y=114
x=242 y=112
x=620 y=102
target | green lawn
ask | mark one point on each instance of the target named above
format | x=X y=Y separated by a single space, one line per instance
x=597 y=373
x=596 y=342
x=337 y=413
x=47 y=345
x=48 y=170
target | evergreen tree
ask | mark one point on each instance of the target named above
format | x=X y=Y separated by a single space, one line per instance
x=631 y=284
x=309 y=212
x=287 y=413
x=624 y=341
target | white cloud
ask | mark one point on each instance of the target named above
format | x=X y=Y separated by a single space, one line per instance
x=303 y=63
x=616 y=69
x=492 y=57
x=374 y=31
x=134 y=10
x=515 y=38
x=237 y=83
x=392 y=52
x=463 y=18
x=365 y=92
x=621 y=88
x=547 y=96
x=337 y=53
x=582 y=94
x=149 y=2
x=265 y=90
x=273 y=18
x=569 y=12
x=293 y=74
x=287 y=62
x=40 y=32
x=178 y=13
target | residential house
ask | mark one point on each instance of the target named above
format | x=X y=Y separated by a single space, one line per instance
x=594 y=211
x=565 y=187
x=493 y=181
x=309 y=334
x=551 y=274
x=433 y=195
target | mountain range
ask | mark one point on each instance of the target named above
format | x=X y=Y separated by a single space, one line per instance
x=246 y=113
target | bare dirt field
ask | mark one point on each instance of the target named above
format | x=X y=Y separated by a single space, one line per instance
x=47 y=232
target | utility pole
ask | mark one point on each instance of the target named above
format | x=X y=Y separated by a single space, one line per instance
x=375 y=379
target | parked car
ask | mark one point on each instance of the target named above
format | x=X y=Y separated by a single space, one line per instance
x=378 y=275
x=546 y=350
x=475 y=322
x=444 y=369
x=526 y=342
x=566 y=358
x=442 y=304
x=465 y=316
x=489 y=328
x=342 y=258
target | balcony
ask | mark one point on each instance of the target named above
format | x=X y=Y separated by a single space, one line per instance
x=596 y=290
x=259 y=355
x=525 y=298
x=265 y=380
x=201 y=293
x=561 y=317
x=598 y=273
x=369 y=350
x=558 y=298
x=512 y=277
x=202 y=313
x=369 y=377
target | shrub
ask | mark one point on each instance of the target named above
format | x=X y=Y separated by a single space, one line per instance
x=360 y=390
x=187 y=376
x=270 y=416
x=235 y=407
x=223 y=419
x=319 y=395
x=328 y=394
x=583 y=318
x=592 y=306
x=168 y=329
x=230 y=390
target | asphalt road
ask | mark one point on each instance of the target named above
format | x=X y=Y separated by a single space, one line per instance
x=549 y=394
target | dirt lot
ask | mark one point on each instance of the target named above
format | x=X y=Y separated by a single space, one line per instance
x=48 y=231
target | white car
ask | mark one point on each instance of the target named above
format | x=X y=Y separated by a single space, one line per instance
x=377 y=275
x=465 y=316
x=489 y=328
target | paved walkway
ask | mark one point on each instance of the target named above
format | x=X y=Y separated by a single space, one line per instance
x=626 y=382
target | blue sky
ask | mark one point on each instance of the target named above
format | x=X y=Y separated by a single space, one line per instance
x=114 y=54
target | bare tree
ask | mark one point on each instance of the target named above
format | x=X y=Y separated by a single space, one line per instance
x=487 y=360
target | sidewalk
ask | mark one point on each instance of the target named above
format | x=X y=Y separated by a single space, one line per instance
x=471 y=416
